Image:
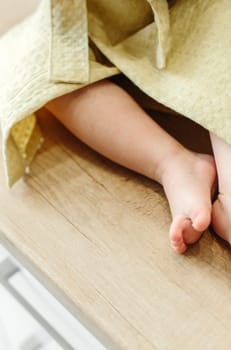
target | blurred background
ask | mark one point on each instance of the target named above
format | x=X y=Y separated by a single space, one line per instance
x=13 y=11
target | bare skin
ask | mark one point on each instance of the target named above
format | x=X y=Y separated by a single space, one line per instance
x=221 y=211
x=195 y=176
x=107 y=119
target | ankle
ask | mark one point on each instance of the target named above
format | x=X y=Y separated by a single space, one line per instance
x=168 y=163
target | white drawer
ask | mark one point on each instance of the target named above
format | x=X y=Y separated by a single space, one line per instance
x=66 y=330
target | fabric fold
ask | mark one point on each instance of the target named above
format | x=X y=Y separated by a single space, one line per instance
x=69 y=41
x=162 y=20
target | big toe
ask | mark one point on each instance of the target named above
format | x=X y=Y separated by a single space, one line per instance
x=188 y=230
x=201 y=218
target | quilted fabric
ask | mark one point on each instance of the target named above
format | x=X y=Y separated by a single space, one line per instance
x=180 y=57
x=69 y=42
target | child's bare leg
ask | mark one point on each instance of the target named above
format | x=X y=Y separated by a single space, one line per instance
x=106 y=118
x=221 y=212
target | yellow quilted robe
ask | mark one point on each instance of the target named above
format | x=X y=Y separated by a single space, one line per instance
x=179 y=56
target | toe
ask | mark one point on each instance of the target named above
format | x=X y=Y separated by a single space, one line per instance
x=179 y=247
x=201 y=219
x=176 y=231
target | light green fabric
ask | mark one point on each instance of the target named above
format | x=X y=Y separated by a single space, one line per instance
x=180 y=57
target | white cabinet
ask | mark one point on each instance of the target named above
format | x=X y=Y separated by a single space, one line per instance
x=31 y=318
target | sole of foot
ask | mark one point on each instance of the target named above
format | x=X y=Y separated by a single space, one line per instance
x=189 y=185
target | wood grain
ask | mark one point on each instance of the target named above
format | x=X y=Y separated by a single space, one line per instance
x=97 y=236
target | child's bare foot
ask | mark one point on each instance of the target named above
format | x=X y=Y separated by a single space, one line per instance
x=221 y=211
x=221 y=216
x=189 y=181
